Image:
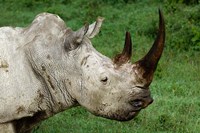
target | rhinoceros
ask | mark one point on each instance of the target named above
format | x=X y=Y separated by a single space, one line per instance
x=47 y=68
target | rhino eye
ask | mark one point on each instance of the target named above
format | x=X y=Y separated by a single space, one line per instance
x=104 y=80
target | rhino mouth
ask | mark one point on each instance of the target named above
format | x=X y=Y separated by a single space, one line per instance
x=126 y=117
x=130 y=115
x=135 y=106
x=120 y=115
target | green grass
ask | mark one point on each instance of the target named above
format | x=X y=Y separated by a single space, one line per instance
x=176 y=86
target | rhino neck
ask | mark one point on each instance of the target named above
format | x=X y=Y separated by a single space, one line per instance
x=55 y=86
x=55 y=71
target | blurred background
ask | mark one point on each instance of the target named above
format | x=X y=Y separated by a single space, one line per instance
x=176 y=85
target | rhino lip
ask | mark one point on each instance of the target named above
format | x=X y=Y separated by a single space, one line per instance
x=133 y=113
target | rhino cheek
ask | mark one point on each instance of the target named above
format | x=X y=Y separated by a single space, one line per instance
x=90 y=99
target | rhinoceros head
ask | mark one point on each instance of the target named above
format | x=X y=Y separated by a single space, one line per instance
x=112 y=88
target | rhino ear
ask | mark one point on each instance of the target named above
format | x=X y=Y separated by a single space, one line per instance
x=94 y=28
x=74 y=39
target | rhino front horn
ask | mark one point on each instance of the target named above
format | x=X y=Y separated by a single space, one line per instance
x=125 y=56
x=149 y=62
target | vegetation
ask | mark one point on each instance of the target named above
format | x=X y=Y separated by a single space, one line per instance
x=176 y=86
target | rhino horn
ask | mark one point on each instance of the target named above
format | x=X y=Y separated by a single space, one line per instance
x=149 y=62
x=125 y=56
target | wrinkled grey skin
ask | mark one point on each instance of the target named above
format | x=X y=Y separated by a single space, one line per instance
x=47 y=68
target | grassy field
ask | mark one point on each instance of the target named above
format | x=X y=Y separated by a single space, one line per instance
x=176 y=86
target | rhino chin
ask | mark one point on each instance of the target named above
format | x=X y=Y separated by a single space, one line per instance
x=120 y=117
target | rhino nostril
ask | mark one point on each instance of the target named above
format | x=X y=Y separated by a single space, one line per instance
x=137 y=103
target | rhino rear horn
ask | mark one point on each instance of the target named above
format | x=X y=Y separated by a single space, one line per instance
x=149 y=62
x=126 y=54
